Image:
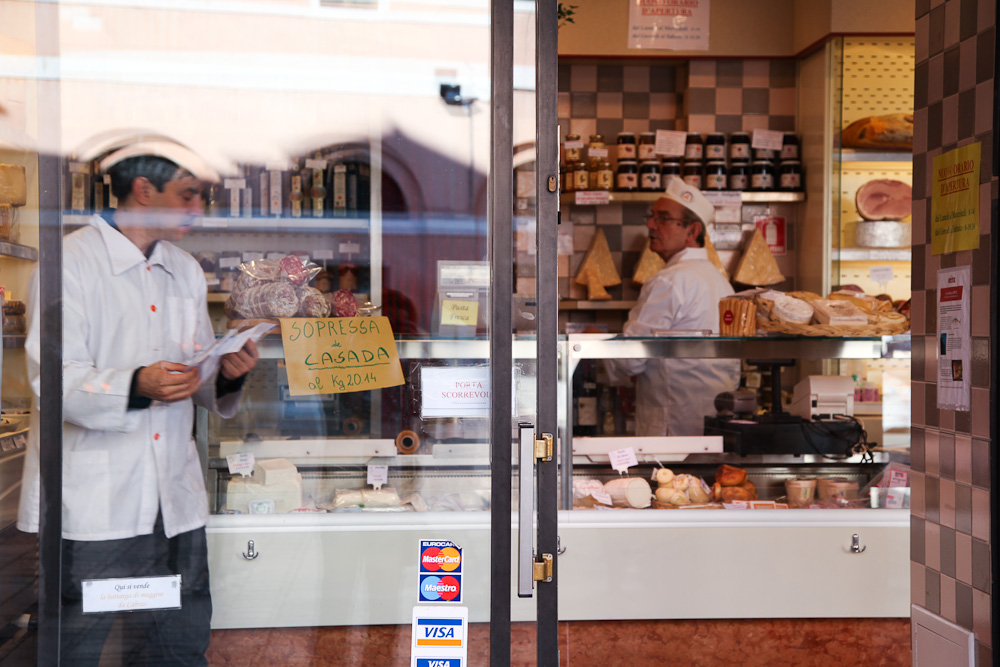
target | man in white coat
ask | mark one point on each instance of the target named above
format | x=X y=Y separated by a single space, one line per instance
x=134 y=499
x=674 y=395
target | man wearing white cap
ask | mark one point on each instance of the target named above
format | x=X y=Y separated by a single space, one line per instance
x=134 y=500
x=674 y=395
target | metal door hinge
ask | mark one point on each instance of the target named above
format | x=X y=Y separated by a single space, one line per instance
x=543 y=447
x=542 y=570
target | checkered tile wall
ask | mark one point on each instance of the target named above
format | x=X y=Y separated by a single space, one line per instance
x=951 y=451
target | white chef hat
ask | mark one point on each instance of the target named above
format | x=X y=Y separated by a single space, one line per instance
x=691 y=199
x=177 y=153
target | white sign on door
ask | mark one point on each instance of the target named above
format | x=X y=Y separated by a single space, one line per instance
x=676 y=25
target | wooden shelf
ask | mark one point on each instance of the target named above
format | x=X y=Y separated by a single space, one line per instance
x=874 y=155
x=871 y=255
x=747 y=197
x=596 y=305
x=18 y=251
x=282 y=225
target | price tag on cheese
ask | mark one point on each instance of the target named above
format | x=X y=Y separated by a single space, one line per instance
x=670 y=142
x=767 y=139
x=241 y=464
x=894 y=498
x=880 y=274
x=378 y=475
x=601 y=497
x=623 y=459
x=898 y=478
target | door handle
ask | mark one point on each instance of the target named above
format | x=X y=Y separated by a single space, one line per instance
x=856 y=544
x=525 y=510
x=250 y=554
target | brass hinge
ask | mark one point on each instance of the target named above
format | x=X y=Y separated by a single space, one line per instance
x=543 y=447
x=542 y=570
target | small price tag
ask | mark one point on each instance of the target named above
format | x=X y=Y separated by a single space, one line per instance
x=578 y=143
x=730 y=198
x=349 y=248
x=898 y=478
x=378 y=475
x=315 y=164
x=894 y=498
x=592 y=197
x=241 y=464
x=623 y=459
x=880 y=274
x=234 y=183
x=597 y=152
x=601 y=497
x=670 y=142
x=229 y=262
x=767 y=139
x=323 y=254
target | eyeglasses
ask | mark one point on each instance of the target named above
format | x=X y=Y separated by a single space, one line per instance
x=663 y=218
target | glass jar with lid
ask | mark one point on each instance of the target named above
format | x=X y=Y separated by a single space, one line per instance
x=790 y=176
x=694 y=147
x=573 y=148
x=739 y=146
x=581 y=179
x=739 y=176
x=715 y=146
x=716 y=177
x=596 y=150
x=626 y=146
x=649 y=176
x=762 y=176
x=692 y=174
x=627 y=176
x=647 y=146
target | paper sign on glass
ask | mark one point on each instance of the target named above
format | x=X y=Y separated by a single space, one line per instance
x=623 y=459
x=676 y=25
x=670 y=143
x=767 y=139
x=460 y=313
x=133 y=594
x=881 y=274
x=955 y=200
x=339 y=355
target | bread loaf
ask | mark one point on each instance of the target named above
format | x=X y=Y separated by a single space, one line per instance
x=728 y=475
x=893 y=130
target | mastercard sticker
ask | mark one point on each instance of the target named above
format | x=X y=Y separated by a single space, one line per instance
x=442 y=556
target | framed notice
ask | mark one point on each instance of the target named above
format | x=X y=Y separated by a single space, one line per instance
x=955 y=200
x=675 y=25
x=954 y=330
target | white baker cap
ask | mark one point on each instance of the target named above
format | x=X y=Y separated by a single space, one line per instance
x=179 y=154
x=691 y=199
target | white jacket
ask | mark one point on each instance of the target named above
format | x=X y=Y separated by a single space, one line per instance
x=122 y=311
x=674 y=395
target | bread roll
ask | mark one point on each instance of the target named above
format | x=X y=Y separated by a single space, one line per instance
x=696 y=493
x=664 y=476
x=728 y=475
x=731 y=493
x=681 y=482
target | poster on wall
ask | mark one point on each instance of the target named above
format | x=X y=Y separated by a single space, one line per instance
x=675 y=25
x=955 y=200
x=954 y=328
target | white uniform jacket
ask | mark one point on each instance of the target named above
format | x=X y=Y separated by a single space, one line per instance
x=122 y=311
x=674 y=395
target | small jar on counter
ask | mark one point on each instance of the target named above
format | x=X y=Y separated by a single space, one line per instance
x=647 y=146
x=603 y=177
x=670 y=168
x=739 y=147
x=626 y=146
x=790 y=176
x=692 y=174
x=694 y=148
x=715 y=175
x=764 y=154
x=649 y=176
x=762 y=176
x=596 y=150
x=715 y=146
x=627 y=176
x=739 y=176
x=581 y=179
x=573 y=149
x=790 y=146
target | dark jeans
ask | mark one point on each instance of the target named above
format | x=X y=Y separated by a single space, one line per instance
x=158 y=637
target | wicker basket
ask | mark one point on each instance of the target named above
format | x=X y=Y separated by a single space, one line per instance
x=880 y=324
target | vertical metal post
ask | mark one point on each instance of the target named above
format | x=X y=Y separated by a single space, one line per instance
x=501 y=212
x=49 y=303
x=547 y=212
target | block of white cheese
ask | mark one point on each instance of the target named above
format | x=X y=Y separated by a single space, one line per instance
x=287 y=495
x=838 y=312
x=790 y=309
x=274 y=471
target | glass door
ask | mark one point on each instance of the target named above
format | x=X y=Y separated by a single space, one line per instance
x=292 y=338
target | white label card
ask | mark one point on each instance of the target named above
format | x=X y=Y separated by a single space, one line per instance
x=315 y=164
x=349 y=248
x=241 y=464
x=578 y=143
x=880 y=274
x=592 y=197
x=134 y=594
x=894 y=498
x=601 y=497
x=767 y=139
x=235 y=183
x=597 y=152
x=378 y=475
x=730 y=198
x=670 y=142
x=623 y=459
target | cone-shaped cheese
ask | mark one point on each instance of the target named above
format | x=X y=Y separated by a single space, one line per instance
x=757 y=266
x=647 y=266
x=598 y=268
x=713 y=257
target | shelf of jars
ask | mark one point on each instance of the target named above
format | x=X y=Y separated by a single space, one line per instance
x=256 y=224
x=596 y=197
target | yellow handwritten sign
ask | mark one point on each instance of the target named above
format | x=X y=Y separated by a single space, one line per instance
x=458 y=312
x=955 y=200
x=339 y=355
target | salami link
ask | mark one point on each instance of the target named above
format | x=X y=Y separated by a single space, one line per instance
x=344 y=304
x=312 y=303
x=267 y=300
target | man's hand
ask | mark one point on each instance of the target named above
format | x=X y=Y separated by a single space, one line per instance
x=238 y=364
x=167 y=381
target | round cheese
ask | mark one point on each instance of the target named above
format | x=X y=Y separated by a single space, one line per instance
x=792 y=310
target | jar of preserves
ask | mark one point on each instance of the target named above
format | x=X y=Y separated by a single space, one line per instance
x=694 y=148
x=764 y=154
x=670 y=168
x=790 y=146
x=581 y=179
x=691 y=173
x=647 y=146
x=715 y=146
x=762 y=176
x=605 y=177
x=573 y=148
x=596 y=150
x=739 y=176
x=716 y=177
x=626 y=145
x=739 y=146
x=627 y=176
x=790 y=176
x=649 y=176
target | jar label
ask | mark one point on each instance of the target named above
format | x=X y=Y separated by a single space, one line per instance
x=738 y=182
x=789 y=181
x=789 y=152
x=647 y=151
x=715 y=182
x=762 y=181
x=651 y=181
x=627 y=181
x=626 y=151
x=580 y=180
x=739 y=151
x=573 y=154
x=604 y=180
x=693 y=151
x=694 y=180
x=715 y=151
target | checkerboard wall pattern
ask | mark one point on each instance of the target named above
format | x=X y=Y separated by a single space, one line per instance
x=950 y=545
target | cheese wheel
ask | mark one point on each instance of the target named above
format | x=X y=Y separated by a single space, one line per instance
x=629 y=492
x=792 y=310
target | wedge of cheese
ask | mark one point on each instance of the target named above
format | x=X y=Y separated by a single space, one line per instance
x=13 y=186
x=757 y=266
x=648 y=265
x=713 y=257
x=598 y=268
x=838 y=312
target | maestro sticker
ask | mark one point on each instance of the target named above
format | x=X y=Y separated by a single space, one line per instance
x=440 y=571
x=440 y=589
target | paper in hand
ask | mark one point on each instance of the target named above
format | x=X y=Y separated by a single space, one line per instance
x=207 y=361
